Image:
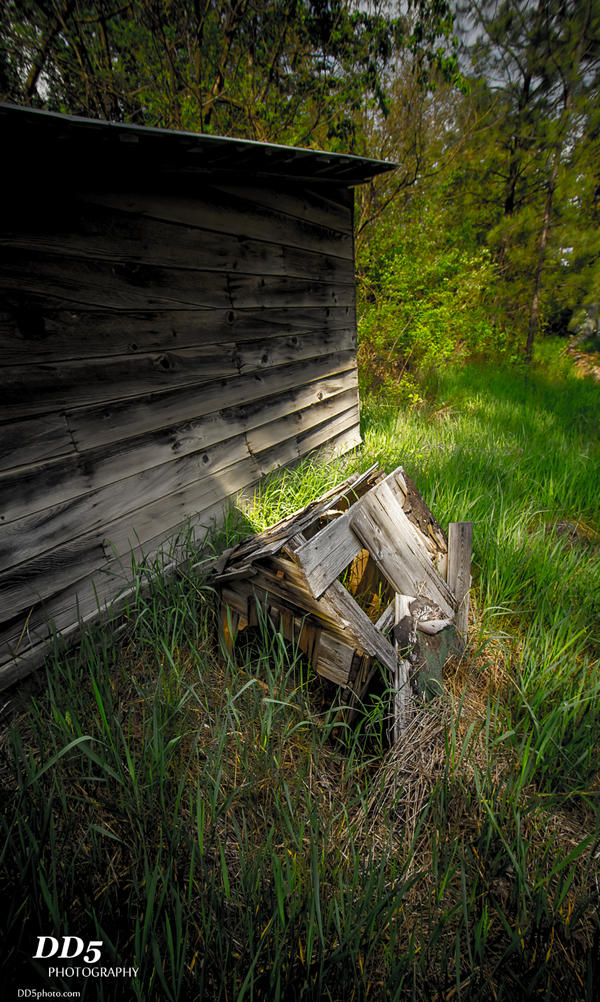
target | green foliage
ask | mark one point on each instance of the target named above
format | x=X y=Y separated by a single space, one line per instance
x=296 y=71
x=530 y=172
x=424 y=298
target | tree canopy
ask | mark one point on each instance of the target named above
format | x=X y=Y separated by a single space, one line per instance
x=491 y=108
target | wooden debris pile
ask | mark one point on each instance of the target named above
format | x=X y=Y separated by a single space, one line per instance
x=362 y=575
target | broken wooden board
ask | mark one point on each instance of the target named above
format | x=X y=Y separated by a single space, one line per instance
x=460 y=544
x=326 y=555
x=385 y=530
x=401 y=677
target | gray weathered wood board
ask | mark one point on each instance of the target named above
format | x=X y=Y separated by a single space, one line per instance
x=115 y=421
x=90 y=232
x=128 y=286
x=460 y=543
x=158 y=503
x=325 y=556
x=48 y=332
x=385 y=530
x=328 y=553
x=401 y=677
x=162 y=351
x=198 y=447
x=177 y=420
x=28 y=389
x=25 y=643
x=334 y=659
x=234 y=214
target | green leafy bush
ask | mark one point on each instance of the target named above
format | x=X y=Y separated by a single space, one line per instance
x=424 y=297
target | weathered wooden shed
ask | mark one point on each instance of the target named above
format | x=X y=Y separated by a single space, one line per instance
x=177 y=319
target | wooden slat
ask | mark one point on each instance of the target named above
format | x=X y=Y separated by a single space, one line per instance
x=175 y=498
x=101 y=284
x=335 y=659
x=386 y=620
x=86 y=599
x=428 y=530
x=35 y=329
x=460 y=543
x=333 y=212
x=401 y=677
x=101 y=583
x=26 y=389
x=425 y=527
x=358 y=624
x=33 y=489
x=230 y=213
x=119 y=420
x=294 y=595
x=385 y=530
x=328 y=553
x=74 y=228
x=26 y=442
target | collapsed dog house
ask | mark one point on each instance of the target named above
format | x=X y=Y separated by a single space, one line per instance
x=364 y=560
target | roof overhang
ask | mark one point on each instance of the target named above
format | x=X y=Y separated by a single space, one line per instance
x=46 y=137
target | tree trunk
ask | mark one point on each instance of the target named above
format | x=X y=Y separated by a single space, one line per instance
x=534 y=312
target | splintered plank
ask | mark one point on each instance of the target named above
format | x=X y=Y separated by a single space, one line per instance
x=358 y=625
x=328 y=553
x=385 y=530
x=460 y=542
x=334 y=659
x=26 y=389
x=401 y=697
x=288 y=531
x=339 y=611
x=425 y=526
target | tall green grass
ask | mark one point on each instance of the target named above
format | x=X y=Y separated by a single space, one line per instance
x=193 y=811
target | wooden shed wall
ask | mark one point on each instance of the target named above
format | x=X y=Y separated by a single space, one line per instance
x=161 y=352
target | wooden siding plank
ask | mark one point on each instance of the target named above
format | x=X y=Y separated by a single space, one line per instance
x=27 y=389
x=55 y=569
x=301 y=203
x=225 y=212
x=119 y=420
x=79 y=598
x=119 y=481
x=383 y=527
x=176 y=496
x=39 y=489
x=85 y=600
x=130 y=286
x=45 y=438
x=137 y=241
x=26 y=442
x=35 y=329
